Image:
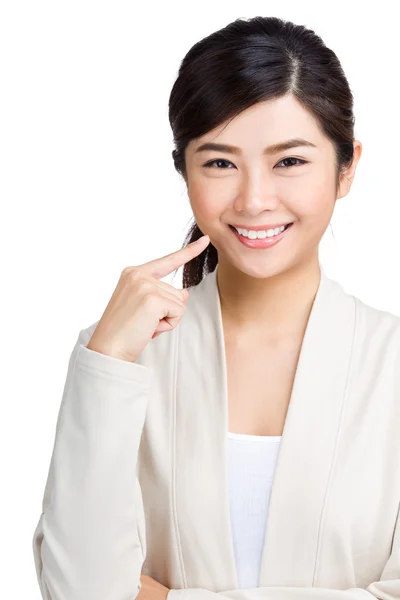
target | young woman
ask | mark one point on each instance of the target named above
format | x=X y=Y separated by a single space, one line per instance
x=253 y=450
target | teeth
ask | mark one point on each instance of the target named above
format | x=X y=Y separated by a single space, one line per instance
x=252 y=235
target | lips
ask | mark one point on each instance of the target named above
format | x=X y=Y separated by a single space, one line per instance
x=260 y=243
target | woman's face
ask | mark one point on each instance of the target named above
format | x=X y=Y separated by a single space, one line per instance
x=256 y=186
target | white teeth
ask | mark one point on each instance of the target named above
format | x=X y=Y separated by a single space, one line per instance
x=252 y=235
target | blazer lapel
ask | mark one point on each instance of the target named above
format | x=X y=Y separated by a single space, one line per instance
x=306 y=450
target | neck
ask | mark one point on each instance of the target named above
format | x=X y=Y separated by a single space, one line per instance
x=271 y=309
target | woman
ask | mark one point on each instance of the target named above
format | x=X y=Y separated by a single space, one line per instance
x=253 y=451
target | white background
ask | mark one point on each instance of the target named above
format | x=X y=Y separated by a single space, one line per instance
x=88 y=187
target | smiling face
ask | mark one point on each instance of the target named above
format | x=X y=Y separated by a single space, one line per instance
x=255 y=186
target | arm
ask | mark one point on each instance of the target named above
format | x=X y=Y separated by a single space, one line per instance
x=387 y=588
x=90 y=541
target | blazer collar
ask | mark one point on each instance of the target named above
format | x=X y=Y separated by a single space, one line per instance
x=305 y=455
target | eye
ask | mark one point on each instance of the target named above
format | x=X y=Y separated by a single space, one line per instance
x=219 y=160
x=300 y=162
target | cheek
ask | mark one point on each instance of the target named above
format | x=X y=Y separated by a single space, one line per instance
x=318 y=206
x=207 y=201
x=314 y=200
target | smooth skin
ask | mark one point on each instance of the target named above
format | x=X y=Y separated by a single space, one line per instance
x=151 y=589
x=272 y=287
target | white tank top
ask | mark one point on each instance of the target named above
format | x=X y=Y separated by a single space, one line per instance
x=251 y=466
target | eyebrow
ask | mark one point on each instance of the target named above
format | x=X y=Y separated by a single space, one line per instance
x=280 y=147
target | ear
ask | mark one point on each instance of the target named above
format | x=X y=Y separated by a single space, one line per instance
x=347 y=176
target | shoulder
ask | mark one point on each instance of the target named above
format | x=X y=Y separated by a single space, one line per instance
x=375 y=332
x=373 y=320
x=376 y=340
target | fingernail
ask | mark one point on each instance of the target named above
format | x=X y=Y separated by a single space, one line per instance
x=202 y=239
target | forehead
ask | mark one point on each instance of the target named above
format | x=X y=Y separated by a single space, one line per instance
x=265 y=123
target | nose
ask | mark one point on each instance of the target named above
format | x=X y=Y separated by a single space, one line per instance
x=256 y=195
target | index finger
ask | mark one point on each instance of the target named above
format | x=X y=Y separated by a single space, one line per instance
x=161 y=267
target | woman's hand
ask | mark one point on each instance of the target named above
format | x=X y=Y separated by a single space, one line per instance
x=142 y=306
x=151 y=589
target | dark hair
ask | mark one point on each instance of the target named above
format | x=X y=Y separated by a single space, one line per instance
x=250 y=61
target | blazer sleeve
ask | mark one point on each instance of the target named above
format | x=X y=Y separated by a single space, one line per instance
x=90 y=541
x=387 y=588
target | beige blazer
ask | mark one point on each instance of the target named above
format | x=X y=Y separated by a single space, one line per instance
x=138 y=475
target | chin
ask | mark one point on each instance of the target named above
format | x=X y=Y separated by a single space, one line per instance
x=261 y=268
